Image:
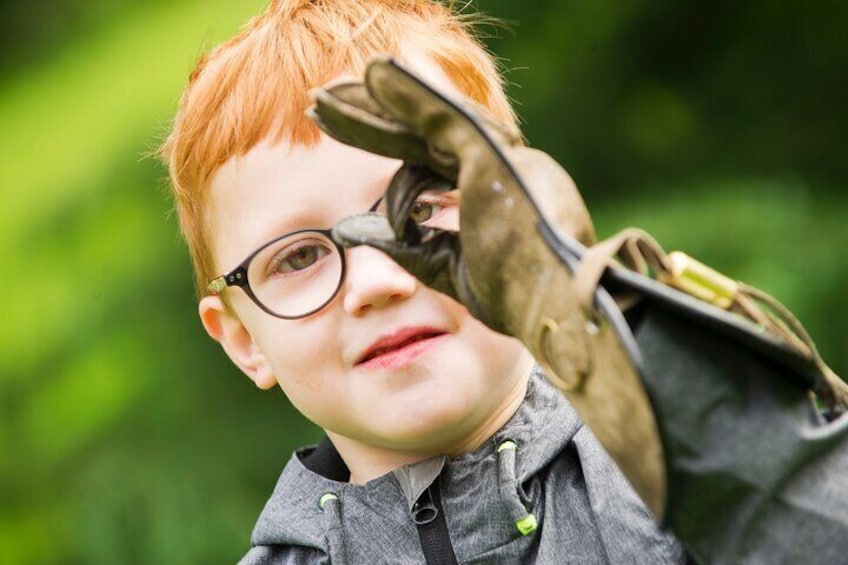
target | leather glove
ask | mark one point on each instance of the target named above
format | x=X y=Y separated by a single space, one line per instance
x=497 y=265
x=525 y=262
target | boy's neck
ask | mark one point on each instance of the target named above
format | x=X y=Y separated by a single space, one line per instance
x=367 y=462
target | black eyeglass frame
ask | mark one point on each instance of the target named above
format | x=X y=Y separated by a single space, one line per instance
x=238 y=276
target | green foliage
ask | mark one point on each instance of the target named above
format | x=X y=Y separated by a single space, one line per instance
x=658 y=90
x=125 y=434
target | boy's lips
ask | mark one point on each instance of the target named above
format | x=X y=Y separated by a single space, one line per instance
x=398 y=348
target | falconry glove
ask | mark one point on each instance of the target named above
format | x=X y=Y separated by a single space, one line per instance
x=662 y=357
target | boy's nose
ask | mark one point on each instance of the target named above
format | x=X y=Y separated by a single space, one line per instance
x=374 y=280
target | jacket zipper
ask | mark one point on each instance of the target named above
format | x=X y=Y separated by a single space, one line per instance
x=429 y=517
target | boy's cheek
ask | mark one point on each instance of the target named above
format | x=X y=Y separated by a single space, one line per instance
x=301 y=354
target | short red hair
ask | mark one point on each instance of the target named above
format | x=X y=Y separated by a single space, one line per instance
x=255 y=86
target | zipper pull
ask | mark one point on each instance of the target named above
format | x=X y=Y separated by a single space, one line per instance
x=424 y=510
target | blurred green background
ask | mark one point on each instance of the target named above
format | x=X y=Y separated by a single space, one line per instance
x=127 y=437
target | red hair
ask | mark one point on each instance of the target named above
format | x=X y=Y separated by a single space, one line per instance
x=255 y=86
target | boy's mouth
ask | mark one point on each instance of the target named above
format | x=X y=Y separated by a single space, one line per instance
x=399 y=347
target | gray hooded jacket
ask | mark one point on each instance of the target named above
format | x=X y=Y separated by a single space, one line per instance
x=543 y=474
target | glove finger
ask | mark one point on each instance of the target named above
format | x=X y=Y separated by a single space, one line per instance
x=448 y=125
x=347 y=112
x=433 y=261
x=370 y=228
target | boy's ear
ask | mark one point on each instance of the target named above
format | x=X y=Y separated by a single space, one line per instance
x=222 y=325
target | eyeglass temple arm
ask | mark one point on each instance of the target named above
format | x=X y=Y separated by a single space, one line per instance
x=236 y=277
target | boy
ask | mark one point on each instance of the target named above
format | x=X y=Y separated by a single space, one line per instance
x=445 y=443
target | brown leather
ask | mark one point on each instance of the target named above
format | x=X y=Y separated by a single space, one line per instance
x=512 y=274
x=526 y=263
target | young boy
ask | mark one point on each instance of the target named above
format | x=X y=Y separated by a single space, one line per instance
x=444 y=442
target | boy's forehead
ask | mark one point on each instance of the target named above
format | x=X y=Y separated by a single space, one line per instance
x=277 y=187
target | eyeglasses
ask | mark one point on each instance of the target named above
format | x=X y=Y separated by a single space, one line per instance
x=292 y=276
x=299 y=273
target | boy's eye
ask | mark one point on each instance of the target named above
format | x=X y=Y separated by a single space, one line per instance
x=422 y=211
x=298 y=257
x=431 y=209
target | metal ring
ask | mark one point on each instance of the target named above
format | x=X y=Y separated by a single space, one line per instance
x=550 y=327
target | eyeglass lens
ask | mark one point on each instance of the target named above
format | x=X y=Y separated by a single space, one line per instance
x=296 y=275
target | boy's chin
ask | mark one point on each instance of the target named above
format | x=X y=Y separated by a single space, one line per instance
x=450 y=427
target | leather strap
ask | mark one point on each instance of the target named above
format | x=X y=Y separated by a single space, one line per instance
x=640 y=253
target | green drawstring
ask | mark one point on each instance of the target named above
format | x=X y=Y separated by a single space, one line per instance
x=335 y=531
x=325 y=499
x=525 y=522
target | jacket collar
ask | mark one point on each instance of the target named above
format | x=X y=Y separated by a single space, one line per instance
x=541 y=427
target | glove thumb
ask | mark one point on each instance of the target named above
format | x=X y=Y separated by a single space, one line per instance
x=433 y=260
